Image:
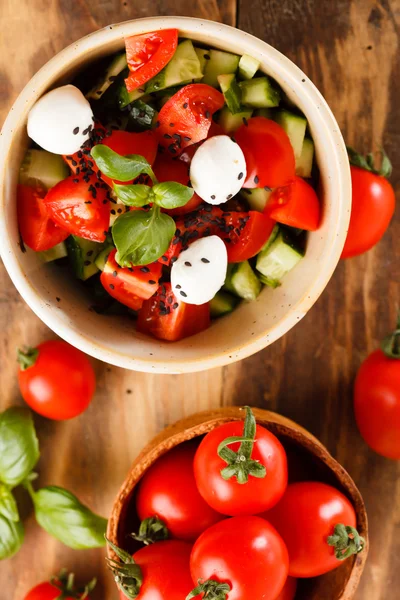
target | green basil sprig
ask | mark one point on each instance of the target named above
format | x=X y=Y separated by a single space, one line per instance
x=11 y=537
x=19 y=446
x=168 y=194
x=122 y=168
x=8 y=506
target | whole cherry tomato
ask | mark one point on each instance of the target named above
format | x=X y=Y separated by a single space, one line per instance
x=60 y=587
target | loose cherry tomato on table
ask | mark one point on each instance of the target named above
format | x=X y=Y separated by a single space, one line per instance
x=377 y=398
x=317 y=524
x=373 y=204
x=296 y=205
x=128 y=142
x=168 y=490
x=56 y=380
x=167 y=168
x=61 y=587
x=241 y=468
x=241 y=558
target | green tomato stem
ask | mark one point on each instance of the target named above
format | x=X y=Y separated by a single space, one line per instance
x=391 y=344
x=346 y=541
x=27 y=357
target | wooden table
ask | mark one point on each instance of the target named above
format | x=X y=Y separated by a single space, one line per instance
x=350 y=49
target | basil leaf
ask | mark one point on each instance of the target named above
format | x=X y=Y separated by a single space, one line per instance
x=19 y=447
x=171 y=195
x=11 y=537
x=63 y=516
x=8 y=506
x=141 y=237
x=134 y=195
x=122 y=168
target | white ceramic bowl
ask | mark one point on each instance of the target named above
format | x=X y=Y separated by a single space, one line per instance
x=253 y=325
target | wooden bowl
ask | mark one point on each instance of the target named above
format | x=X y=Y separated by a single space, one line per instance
x=308 y=459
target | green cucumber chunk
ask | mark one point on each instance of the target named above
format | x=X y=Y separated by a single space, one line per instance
x=242 y=281
x=230 y=122
x=142 y=116
x=203 y=56
x=44 y=166
x=295 y=127
x=248 y=67
x=117 y=65
x=219 y=63
x=183 y=67
x=102 y=257
x=58 y=251
x=304 y=162
x=259 y=93
x=231 y=91
x=278 y=258
x=256 y=197
x=124 y=97
x=82 y=255
x=222 y=304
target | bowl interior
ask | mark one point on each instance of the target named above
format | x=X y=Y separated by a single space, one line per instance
x=64 y=307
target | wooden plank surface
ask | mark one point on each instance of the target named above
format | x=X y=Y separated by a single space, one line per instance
x=350 y=49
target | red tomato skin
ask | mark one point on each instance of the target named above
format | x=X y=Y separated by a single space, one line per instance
x=38 y=231
x=147 y=54
x=230 y=497
x=252 y=238
x=268 y=153
x=169 y=169
x=377 y=403
x=44 y=591
x=129 y=142
x=80 y=159
x=168 y=490
x=247 y=553
x=61 y=383
x=305 y=517
x=289 y=589
x=372 y=209
x=295 y=205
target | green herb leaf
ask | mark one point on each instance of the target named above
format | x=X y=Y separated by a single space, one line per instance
x=11 y=537
x=63 y=516
x=8 y=506
x=122 y=168
x=171 y=195
x=141 y=237
x=134 y=195
x=19 y=447
x=141 y=116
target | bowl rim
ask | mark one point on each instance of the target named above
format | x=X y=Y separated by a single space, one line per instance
x=105 y=37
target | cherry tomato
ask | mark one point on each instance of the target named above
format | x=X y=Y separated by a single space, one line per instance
x=296 y=205
x=186 y=118
x=167 y=168
x=255 y=493
x=128 y=142
x=59 y=587
x=289 y=589
x=305 y=517
x=252 y=238
x=79 y=207
x=247 y=553
x=168 y=490
x=372 y=210
x=38 y=231
x=147 y=54
x=167 y=318
x=268 y=152
x=56 y=380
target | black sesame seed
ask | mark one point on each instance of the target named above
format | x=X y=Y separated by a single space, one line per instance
x=75 y=180
x=119 y=211
x=88 y=202
x=172 y=124
x=111 y=286
x=178 y=287
x=75 y=131
x=58 y=299
x=157 y=124
x=115 y=273
x=256 y=179
x=188 y=264
x=69 y=157
x=207 y=114
x=185 y=105
x=145 y=269
x=98 y=92
x=105 y=201
x=229 y=196
x=174 y=259
x=170 y=300
x=175 y=305
x=152 y=282
x=87 y=263
x=112 y=78
x=207 y=56
x=183 y=294
x=89 y=253
x=74 y=163
x=213 y=197
x=172 y=148
x=164 y=258
x=112 y=211
x=240 y=176
x=167 y=136
x=245 y=121
x=267 y=189
x=187 y=138
x=205 y=260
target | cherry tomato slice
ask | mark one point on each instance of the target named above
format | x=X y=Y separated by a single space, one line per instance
x=167 y=168
x=296 y=205
x=252 y=238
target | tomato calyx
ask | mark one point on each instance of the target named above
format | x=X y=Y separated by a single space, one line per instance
x=151 y=530
x=65 y=583
x=346 y=541
x=27 y=357
x=368 y=162
x=211 y=589
x=240 y=463
x=127 y=574
x=391 y=343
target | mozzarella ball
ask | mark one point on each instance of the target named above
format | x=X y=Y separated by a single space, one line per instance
x=60 y=120
x=200 y=271
x=218 y=169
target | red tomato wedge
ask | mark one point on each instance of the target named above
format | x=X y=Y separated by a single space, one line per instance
x=81 y=208
x=38 y=231
x=126 y=142
x=147 y=54
x=130 y=286
x=168 y=318
x=268 y=152
x=167 y=168
x=252 y=238
x=296 y=205
x=186 y=118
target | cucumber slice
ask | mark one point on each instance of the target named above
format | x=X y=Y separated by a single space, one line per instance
x=222 y=304
x=278 y=258
x=242 y=281
x=259 y=93
x=124 y=97
x=82 y=254
x=230 y=122
x=256 y=197
x=231 y=91
x=117 y=65
x=142 y=116
x=48 y=168
x=268 y=113
x=183 y=67
x=102 y=257
x=203 y=56
x=219 y=63
x=58 y=251
x=304 y=162
x=295 y=126
x=248 y=67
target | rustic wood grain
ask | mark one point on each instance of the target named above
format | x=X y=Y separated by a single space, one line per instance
x=350 y=50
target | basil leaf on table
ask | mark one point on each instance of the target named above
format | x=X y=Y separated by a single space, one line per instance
x=8 y=506
x=134 y=195
x=122 y=168
x=141 y=237
x=19 y=446
x=11 y=537
x=64 y=517
x=171 y=194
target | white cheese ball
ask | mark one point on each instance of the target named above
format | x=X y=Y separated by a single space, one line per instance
x=218 y=169
x=60 y=119
x=200 y=271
